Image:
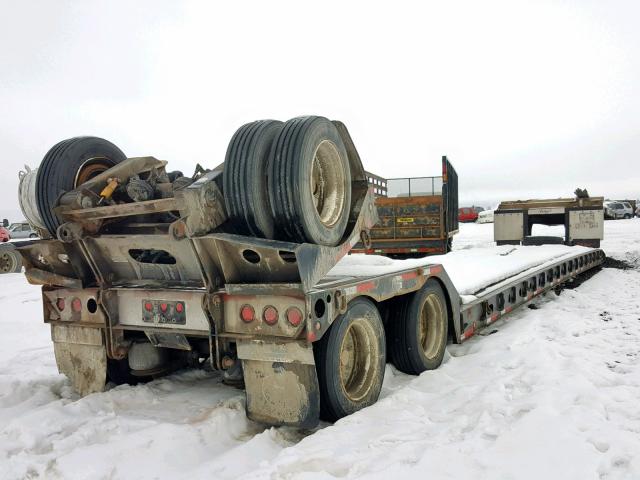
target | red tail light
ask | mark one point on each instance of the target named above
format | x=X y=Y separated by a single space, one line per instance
x=163 y=307
x=179 y=307
x=247 y=313
x=294 y=316
x=270 y=315
x=148 y=306
x=60 y=304
x=76 y=304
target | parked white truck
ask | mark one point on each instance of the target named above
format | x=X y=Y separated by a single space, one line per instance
x=145 y=271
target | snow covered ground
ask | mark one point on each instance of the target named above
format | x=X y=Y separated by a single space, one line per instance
x=554 y=393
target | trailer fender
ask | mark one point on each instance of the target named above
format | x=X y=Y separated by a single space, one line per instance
x=281 y=383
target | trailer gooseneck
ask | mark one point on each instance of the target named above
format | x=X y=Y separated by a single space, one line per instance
x=145 y=271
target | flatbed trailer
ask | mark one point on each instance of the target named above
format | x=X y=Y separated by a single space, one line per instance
x=305 y=329
x=582 y=218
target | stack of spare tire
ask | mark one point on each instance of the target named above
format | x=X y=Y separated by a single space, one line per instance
x=288 y=181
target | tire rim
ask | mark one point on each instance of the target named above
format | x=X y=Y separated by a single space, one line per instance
x=431 y=325
x=7 y=263
x=358 y=360
x=328 y=183
x=90 y=168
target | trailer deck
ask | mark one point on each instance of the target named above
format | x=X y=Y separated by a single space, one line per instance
x=470 y=270
x=483 y=284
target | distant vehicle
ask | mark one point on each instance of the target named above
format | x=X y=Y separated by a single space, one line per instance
x=467 y=214
x=638 y=211
x=22 y=230
x=486 y=216
x=615 y=210
x=4 y=235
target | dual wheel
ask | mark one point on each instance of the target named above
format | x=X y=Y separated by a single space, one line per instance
x=350 y=358
x=288 y=181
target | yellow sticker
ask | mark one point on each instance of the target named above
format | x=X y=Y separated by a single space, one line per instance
x=404 y=220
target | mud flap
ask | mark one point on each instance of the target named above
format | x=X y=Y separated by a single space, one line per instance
x=281 y=383
x=81 y=355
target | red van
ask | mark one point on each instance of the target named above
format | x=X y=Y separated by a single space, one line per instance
x=467 y=214
x=4 y=235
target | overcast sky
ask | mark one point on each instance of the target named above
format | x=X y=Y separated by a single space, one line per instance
x=528 y=99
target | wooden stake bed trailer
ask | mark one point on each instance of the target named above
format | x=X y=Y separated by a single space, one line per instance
x=417 y=216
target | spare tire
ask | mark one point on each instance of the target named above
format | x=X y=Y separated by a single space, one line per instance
x=310 y=182
x=245 y=178
x=67 y=165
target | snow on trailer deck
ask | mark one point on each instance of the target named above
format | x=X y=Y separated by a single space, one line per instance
x=553 y=394
x=470 y=270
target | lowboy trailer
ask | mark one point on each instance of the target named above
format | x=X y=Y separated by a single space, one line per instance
x=143 y=273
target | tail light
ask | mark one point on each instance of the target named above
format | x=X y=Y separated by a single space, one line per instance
x=76 y=304
x=294 y=316
x=270 y=315
x=247 y=313
x=60 y=304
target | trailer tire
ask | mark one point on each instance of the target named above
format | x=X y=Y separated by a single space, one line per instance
x=350 y=361
x=68 y=164
x=419 y=330
x=309 y=172
x=10 y=260
x=245 y=178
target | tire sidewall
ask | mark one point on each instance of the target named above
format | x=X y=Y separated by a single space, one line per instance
x=416 y=352
x=320 y=130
